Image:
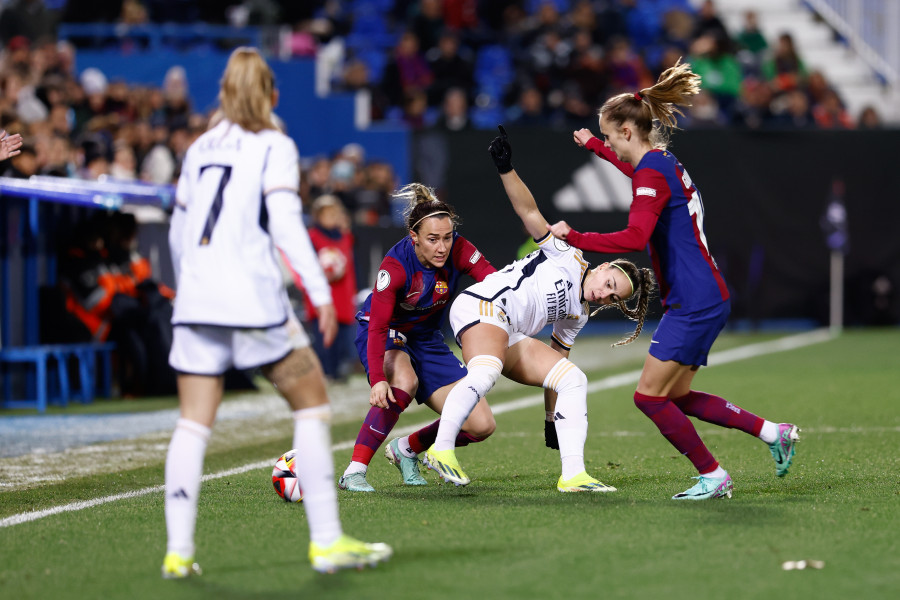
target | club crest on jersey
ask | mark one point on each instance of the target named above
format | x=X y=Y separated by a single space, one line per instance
x=440 y=287
x=383 y=280
x=502 y=317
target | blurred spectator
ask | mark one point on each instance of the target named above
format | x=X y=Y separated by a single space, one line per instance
x=586 y=69
x=314 y=180
x=869 y=118
x=133 y=13
x=750 y=38
x=709 y=22
x=331 y=237
x=342 y=182
x=428 y=23
x=20 y=96
x=140 y=313
x=720 y=72
x=355 y=77
x=29 y=19
x=374 y=196
x=406 y=71
x=461 y=15
x=124 y=165
x=627 y=72
x=56 y=158
x=784 y=69
x=705 y=112
x=110 y=290
x=176 y=102
x=355 y=154
x=667 y=59
x=792 y=110
x=415 y=108
x=530 y=109
x=450 y=68
x=830 y=113
x=455 y=111
x=549 y=60
x=23 y=165
x=753 y=109
x=816 y=87
x=94 y=157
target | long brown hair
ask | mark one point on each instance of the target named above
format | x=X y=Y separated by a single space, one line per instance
x=658 y=103
x=643 y=281
x=421 y=203
x=246 y=90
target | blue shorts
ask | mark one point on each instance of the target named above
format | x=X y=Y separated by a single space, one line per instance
x=687 y=337
x=434 y=363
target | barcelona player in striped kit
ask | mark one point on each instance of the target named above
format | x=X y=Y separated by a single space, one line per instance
x=666 y=217
x=399 y=337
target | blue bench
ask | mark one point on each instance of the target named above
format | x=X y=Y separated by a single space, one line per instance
x=42 y=380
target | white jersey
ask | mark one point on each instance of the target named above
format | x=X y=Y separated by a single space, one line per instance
x=544 y=287
x=236 y=201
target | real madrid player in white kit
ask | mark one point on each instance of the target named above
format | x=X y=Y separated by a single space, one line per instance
x=494 y=319
x=236 y=201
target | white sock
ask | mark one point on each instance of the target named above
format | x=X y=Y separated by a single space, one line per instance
x=769 y=432
x=314 y=466
x=405 y=450
x=184 y=467
x=355 y=467
x=570 y=385
x=484 y=370
x=719 y=472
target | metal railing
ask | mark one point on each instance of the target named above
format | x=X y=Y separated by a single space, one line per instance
x=871 y=27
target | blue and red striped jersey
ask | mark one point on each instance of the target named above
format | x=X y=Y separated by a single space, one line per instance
x=666 y=218
x=412 y=299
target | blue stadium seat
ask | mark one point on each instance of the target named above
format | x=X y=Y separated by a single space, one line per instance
x=493 y=64
x=48 y=386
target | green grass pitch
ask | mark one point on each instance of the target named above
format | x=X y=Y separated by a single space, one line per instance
x=510 y=534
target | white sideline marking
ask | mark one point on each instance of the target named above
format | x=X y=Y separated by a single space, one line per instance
x=718 y=358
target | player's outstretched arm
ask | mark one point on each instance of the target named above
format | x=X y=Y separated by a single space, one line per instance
x=519 y=195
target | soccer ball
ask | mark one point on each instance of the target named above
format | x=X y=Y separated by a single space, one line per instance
x=285 y=480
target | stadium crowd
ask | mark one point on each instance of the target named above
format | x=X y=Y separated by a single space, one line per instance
x=447 y=64
x=550 y=62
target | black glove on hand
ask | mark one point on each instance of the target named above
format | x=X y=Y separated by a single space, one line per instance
x=501 y=152
x=550 y=438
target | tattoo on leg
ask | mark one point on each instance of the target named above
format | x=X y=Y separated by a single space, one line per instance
x=296 y=365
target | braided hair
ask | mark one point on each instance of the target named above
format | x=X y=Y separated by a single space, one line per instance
x=643 y=282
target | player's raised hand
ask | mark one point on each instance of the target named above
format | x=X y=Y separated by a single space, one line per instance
x=501 y=152
x=582 y=137
x=560 y=230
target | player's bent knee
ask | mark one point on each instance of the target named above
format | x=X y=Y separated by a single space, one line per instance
x=484 y=371
x=565 y=377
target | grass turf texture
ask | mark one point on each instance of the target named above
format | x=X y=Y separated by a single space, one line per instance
x=510 y=534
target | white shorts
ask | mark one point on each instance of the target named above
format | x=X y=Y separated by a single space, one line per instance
x=467 y=310
x=208 y=350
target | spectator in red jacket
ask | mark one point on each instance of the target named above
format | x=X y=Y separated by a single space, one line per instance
x=331 y=237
